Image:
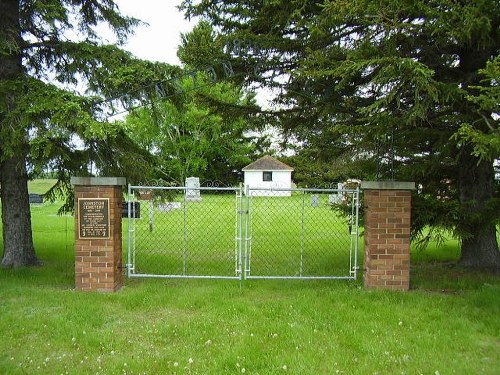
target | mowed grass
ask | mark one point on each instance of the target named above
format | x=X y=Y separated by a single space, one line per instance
x=447 y=324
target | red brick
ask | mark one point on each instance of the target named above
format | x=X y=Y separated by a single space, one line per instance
x=388 y=214
x=97 y=260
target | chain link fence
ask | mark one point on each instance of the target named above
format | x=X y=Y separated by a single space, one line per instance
x=297 y=233
x=220 y=232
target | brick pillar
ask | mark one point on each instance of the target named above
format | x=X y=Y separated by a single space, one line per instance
x=387 y=234
x=98 y=233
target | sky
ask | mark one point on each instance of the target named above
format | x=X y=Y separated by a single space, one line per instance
x=159 y=40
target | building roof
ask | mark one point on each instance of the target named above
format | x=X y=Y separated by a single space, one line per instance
x=267 y=163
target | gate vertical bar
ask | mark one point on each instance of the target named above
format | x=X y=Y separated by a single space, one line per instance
x=351 y=244
x=354 y=221
x=248 y=233
x=356 y=233
x=302 y=234
x=237 y=236
x=134 y=245
x=129 y=237
x=184 y=234
x=238 y=248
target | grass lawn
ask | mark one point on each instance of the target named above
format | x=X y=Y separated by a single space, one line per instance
x=447 y=324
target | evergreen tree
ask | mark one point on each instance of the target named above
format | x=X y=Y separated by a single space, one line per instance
x=50 y=51
x=192 y=137
x=407 y=85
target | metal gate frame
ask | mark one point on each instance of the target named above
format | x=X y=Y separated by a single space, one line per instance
x=353 y=229
x=131 y=247
x=243 y=234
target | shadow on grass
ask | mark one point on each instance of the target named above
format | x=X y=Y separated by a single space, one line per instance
x=449 y=277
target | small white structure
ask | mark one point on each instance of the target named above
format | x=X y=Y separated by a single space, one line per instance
x=193 y=189
x=268 y=173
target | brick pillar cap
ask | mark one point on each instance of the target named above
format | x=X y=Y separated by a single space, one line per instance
x=387 y=185
x=99 y=181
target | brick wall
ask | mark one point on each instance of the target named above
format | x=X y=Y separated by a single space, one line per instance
x=387 y=238
x=98 y=262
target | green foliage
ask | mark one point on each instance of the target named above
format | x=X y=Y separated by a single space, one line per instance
x=63 y=128
x=388 y=90
x=205 y=131
x=56 y=77
x=190 y=138
x=484 y=133
x=199 y=48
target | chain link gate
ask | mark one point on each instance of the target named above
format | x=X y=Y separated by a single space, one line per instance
x=229 y=233
x=184 y=232
x=296 y=234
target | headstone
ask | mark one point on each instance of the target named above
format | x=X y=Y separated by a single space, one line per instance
x=334 y=198
x=193 y=189
x=314 y=200
x=35 y=198
x=145 y=195
x=169 y=206
x=338 y=196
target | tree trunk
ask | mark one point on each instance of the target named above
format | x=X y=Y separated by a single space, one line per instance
x=16 y=215
x=476 y=177
x=477 y=186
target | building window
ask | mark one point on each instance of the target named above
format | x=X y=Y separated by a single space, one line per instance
x=267 y=176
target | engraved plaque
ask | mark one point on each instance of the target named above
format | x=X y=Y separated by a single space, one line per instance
x=93 y=218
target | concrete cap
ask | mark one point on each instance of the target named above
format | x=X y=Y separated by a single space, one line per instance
x=387 y=185
x=99 y=181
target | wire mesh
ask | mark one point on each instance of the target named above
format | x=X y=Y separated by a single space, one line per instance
x=222 y=233
x=297 y=234
x=181 y=234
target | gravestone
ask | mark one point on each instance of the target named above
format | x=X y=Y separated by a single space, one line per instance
x=35 y=198
x=315 y=201
x=169 y=206
x=193 y=189
x=334 y=198
x=337 y=197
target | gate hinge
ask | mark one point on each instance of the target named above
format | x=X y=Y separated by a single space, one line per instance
x=243 y=212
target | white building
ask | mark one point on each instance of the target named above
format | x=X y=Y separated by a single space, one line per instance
x=270 y=174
